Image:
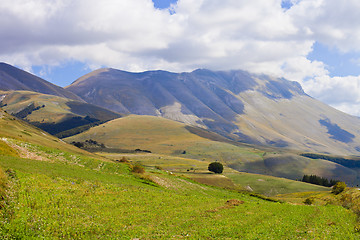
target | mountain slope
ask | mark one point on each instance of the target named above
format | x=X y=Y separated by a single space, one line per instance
x=241 y=106
x=105 y=200
x=166 y=137
x=52 y=113
x=19 y=132
x=12 y=78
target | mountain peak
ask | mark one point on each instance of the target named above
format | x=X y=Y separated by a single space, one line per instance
x=12 y=78
x=245 y=107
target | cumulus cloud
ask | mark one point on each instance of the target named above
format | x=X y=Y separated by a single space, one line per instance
x=49 y=31
x=259 y=36
x=332 y=22
x=124 y=33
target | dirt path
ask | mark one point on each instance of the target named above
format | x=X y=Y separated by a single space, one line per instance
x=25 y=152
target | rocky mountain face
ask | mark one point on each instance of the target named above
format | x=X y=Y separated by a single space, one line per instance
x=244 y=107
x=12 y=78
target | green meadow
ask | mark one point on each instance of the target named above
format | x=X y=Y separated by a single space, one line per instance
x=55 y=191
x=54 y=200
x=175 y=140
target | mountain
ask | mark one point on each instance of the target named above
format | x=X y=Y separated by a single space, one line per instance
x=56 y=115
x=12 y=78
x=249 y=108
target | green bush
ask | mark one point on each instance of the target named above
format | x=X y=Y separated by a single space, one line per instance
x=338 y=187
x=159 y=168
x=309 y=201
x=138 y=169
x=124 y=160
x=216 y=167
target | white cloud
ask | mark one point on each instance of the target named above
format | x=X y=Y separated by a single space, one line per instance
x=335 y=23
x=258 y=36
x=200 y=34
x=338 y=89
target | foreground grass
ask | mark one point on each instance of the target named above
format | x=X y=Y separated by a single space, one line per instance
x=63 y=200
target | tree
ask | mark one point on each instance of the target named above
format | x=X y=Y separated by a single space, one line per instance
x=338 y=187
x=216 y=167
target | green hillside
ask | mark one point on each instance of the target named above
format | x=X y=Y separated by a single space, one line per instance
x=105 y=199
x=17 y=134
x=54 y=114
x=163 y=136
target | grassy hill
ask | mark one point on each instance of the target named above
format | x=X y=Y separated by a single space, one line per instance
x=56 y=115
x=15 y=132
x=162 y=136
x=105 y=199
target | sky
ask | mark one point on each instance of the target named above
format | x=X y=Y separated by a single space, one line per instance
x=314 y=42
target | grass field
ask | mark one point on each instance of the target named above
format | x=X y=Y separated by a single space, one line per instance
x=109 y=202
x=231 y=179
x=170 y=138
x=66 y=194
x=271 y=186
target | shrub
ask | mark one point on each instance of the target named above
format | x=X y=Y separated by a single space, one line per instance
x=11 y=173
x=347 y=201
x=78 y=144
x=159 y=168
x=309 y=201
x=338 y=187
x=3 y=180
x=124 y=159
x=138 y=169
x=216 y=167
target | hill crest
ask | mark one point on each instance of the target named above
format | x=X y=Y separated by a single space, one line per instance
x=12 y=78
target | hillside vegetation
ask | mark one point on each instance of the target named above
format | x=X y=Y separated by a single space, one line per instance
x=65 y=192
x=163 y=136
x=55 y=115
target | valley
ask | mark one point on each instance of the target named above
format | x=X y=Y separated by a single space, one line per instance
x=105 y=199
x=129 y=159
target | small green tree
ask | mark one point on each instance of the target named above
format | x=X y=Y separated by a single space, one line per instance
x=216 y=167
x=338 y=187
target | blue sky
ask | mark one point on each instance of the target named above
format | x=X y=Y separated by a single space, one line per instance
x=163 y=3
x=338 y=63
x=314 y=42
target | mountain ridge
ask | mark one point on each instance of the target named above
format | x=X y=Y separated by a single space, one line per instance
x=12 y=78
x=249 y=108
